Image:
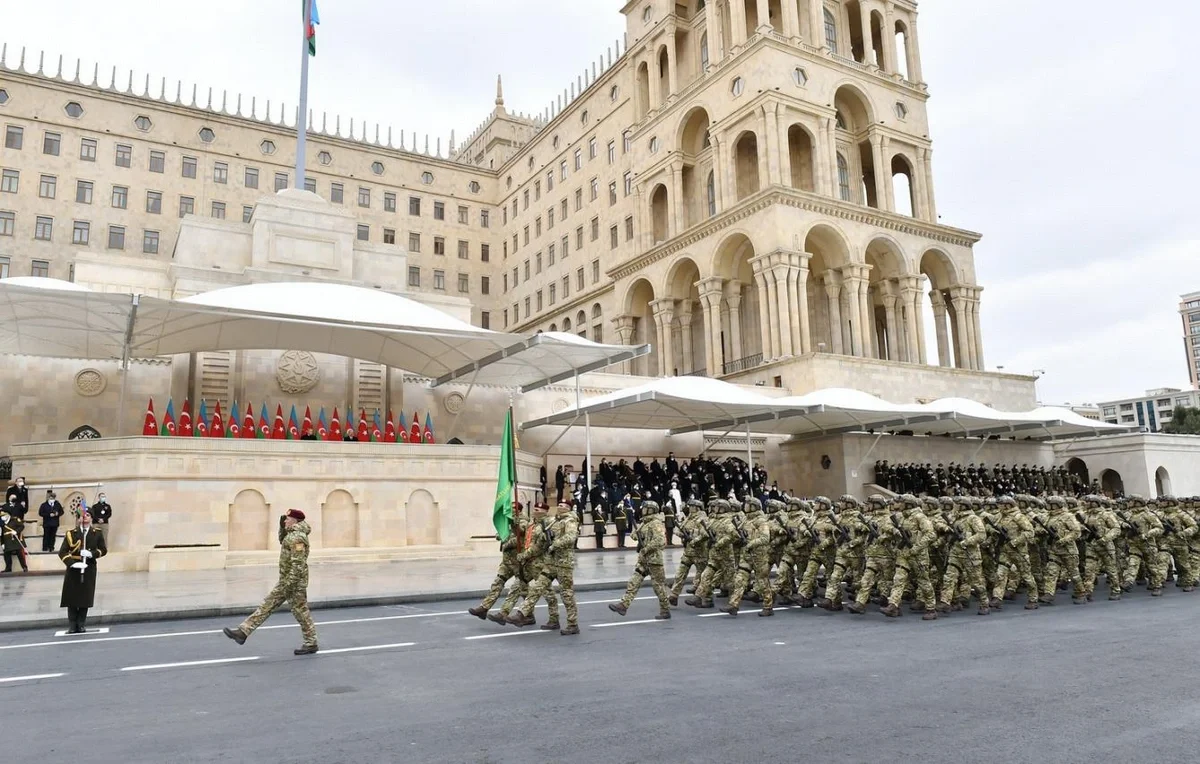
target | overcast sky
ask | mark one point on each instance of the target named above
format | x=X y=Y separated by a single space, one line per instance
x=1067 y=139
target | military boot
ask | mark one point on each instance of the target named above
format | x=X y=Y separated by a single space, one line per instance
x=856 y=608
x=690 y=590
x=500 y=618
x=731 y=610
x=955 y=606
x=549 y=626
x=807 y=602
x=996 y=604
x=571 y=630
x=891 y=610
x=520 y=620
x=673 y=599
x=1079 y=600
x=1031 y=605
x=618 y=608
x=943 y=607
x=1114 y=595
x=1189 y=588
x=1156 y=592
x=305 y=650
x=237 y=635
x=1046 y=599
x=479 y=612
x=766 y=612
x=983 y=609
x=930 y=615
x=663 y=615
x=917 y=606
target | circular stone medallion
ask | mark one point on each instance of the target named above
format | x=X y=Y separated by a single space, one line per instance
x=90 y=383
x=297 y=372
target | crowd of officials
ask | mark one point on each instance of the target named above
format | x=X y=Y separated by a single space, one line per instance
x=15 y=516
x=979 y=480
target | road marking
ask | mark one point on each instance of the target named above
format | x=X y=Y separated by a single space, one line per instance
x=66 y=633
x=715 y=615
x=507 y=634
x=365 y=647
x=626 y=623
x=272 y=627
x=31 y=677
x=186 y=664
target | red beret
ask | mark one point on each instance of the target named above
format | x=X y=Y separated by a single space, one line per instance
x=295 y=514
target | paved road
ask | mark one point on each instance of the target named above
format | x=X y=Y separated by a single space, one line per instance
x=1106 y=682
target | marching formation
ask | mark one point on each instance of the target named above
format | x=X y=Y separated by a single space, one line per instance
x=937 y=553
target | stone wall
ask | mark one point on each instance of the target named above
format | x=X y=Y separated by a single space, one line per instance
x=1146 y=464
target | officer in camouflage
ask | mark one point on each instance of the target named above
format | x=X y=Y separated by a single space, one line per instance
x=755 y=560
x=510 y=548
x=651 y=538
x=694 y=532
x=292 y=586
x=560 y=567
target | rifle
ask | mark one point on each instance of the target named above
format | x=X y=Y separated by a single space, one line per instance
x=712 y=535
x=1000 y=530
x=873 y=533
x=1092 y=533
x=1053 y=534
x=898 y=521
x=741 y=530
x=687 y=537
x=843 y=533
x=548 y=533
x=1168 y=526
x=787 y=530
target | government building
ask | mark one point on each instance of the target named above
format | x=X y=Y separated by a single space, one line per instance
x=746 y=186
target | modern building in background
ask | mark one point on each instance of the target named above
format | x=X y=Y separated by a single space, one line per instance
x=1189 y=312
x=1150 y=411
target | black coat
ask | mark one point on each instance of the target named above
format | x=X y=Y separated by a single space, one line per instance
x=50 y=514
x=20 y=497
x=8 y=537
x=77 y=590
x=101 y=511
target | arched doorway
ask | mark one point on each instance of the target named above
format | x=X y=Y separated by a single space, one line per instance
x=741 y=338
x=853 y=119
x=645 y=331
x=1111 y=483
x=800 y=154
x=660 y=213
x=887 y=311
x=695 y=143
x=903 y=196
x=941 y=322
x=745 y=152
x=687 y=338
x=830 y=320
x=1078 y=468
x=1162 y=482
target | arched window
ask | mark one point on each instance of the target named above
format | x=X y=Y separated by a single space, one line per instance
x=843 y=178
x=566 y=324
x=596 y=311
x=831 y=32
x=840 y=120
x=554 y=327
x=704 y=52
x=712 y=194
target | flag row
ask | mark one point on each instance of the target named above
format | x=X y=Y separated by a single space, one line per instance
x=240 y=424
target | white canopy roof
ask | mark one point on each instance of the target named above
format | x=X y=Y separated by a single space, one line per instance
x=49 y=317
x=687 y=404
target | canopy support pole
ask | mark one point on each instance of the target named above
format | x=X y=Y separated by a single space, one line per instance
x=125 y=353
x=981 y=445
x=867 y=455
x=749 y=452
x=587 y=434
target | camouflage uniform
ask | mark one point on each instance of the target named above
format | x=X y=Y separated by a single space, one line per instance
x=720 y=555
x=755 y=562
x=292 y=586
x=651 y=537
x=1103 y=529
x=1143 y=547
x=912 y=560
x=1180 y=533
x=823 y=552
x=560 y=566
x=964 y=566
x=880 y=551
x=851 y=538
x=796 y=551
x=694 y=533
x=1063 y=530
x=530 y=563
x=1016 y=533
x=509 y=568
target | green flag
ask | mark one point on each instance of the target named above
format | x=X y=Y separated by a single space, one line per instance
x=502 y=512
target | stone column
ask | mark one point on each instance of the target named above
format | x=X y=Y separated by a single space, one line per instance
x=889 y=191
x=921 y=187
x=963 y=352
x=729 y=160
x=656 y=96
x=713 y=28
x=867 y=37
x=816 y=24
x=798 y=299
x=889 y=311
x=624 y=327
x=710 y=304
x=820 y=160
x=765 y=308
x=867 y=321
x=672 y=67
x=645 y=223
x=784 y=152
x=678 y=224
x=764 y=152
x=908 y=299
x=877 y=160
x=791 y=21
x=737 y=18
x=764 y=16
x=919 y=319
x=852 y=283
x=686 y=336
x=889 y=40
x=784 y=320
x=733 y=303
x=770 y=129
x=931 y=204
x=664 y=317
x=976 y=329
x=914 y=52
x=718 y=168
x=939 y=327
x=833 y=291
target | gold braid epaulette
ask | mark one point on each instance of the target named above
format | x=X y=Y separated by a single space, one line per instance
x=73 y=548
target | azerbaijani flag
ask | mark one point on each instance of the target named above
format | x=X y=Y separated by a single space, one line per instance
x=264 y=429
x=506 y=481
x=376 y=434
x=428 y=428
x=311 y=20
x=233 y=427
x=403 y=432
x=293 y=428
x=201 y=430
x=168 y=423
x=322 y=426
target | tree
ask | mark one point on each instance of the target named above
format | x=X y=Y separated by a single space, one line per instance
x=1185 y=420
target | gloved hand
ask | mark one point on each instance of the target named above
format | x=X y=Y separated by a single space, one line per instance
x=80 y=566
x=85 y=554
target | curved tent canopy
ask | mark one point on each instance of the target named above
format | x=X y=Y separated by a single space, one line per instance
x=371 y=325
x=679 y=405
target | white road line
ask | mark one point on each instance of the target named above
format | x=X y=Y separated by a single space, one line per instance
x=66 y=633
x=625 y=623
x=186 y=664
x=30 y=678
x=541 y=606
x=365 y=647
x=507 y=634
x=717 y=615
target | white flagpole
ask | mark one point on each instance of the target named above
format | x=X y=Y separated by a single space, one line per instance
x=302 y=120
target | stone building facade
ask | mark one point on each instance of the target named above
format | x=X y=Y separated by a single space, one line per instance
x=746 y=185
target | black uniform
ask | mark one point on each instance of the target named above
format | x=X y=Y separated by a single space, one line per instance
x=79 y=586
x=50 y=512
x=101 y=512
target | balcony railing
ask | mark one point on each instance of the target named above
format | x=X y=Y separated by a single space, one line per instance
x=741 y=364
